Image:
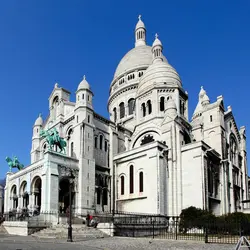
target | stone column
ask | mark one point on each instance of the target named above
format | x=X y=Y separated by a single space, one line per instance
x=7 y=193
x=50 y=185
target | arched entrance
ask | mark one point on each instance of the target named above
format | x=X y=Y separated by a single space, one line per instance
x=37 y=191
x=64 y=188
x=13 y=195
x=24 y=194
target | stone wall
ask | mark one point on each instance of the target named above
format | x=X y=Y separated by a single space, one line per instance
x=16 y=227
x=22 y=228
x=107 y=228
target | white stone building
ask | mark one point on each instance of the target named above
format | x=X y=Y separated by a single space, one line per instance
x=148 y=158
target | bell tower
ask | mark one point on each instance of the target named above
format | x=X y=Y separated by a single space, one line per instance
x=35 y=148
x=84 y=129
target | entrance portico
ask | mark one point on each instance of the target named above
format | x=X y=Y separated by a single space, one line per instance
x=41 y=186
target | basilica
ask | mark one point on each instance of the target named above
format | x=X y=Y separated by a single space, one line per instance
x=150 y=156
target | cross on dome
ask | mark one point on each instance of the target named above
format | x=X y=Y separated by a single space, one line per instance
x=139 y=17
x=156 y=36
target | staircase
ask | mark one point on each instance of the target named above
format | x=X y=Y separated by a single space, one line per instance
x=79 y=231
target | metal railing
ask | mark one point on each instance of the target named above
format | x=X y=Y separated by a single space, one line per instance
x=148 y=225
x=169 y=227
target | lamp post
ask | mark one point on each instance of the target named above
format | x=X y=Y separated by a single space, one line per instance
x=71 y=179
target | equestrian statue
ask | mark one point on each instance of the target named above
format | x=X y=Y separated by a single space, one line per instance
x=14 y=163
x=53 y=138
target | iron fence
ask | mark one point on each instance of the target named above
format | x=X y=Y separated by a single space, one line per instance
x=169 y=227
x=146 y=225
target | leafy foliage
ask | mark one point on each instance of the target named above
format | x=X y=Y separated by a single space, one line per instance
x=193 y=217
x=231 y=223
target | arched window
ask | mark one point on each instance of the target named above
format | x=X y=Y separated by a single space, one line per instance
x=143 y=107
x=82 y=96
x=131 y=179
x=233 y=149
x=162 y=103
x=149 y=107
x=141 y=182
x=122 y=110
x=55 y=106
x=131 y=106
x=122 y=185
x=72 y=149
x=100 y=141
x=95 y=142
x=115 y=114
x=106 y=146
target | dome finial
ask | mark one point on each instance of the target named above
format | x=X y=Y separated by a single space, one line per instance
x=84 y=77
x=156 y=36
x=40 y=114
x=139 y=17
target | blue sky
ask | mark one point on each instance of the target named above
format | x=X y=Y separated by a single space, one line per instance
x=44 y=41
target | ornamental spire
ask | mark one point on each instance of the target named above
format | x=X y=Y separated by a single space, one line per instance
x=140 y=33
x=157 y=49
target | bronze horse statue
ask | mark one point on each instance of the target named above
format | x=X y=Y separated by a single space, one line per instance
x=14 y=163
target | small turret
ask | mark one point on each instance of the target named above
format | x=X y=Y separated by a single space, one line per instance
x=203 y=101
x=157 y=50
x=37 y=126
x=84 y=94
x=140 y=33
x=171 y=109
x=36 y=139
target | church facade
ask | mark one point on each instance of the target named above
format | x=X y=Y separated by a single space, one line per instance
x=147 y=158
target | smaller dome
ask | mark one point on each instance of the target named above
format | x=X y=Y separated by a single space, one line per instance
x=156 y=42
x=140 y=24
x=159 y=74
x=83 y=84
x=39 y=121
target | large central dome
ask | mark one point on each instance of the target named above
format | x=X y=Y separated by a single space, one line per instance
x=137 y=57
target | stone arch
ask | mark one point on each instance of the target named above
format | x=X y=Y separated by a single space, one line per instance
x=55 y=106
x=64 y=189
x=154 y=135
x=233 y=148
x=131 y=106
x=13 y=190
x=36 y=189
x=24 y=194
x=14 y=196
x=70 y=141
